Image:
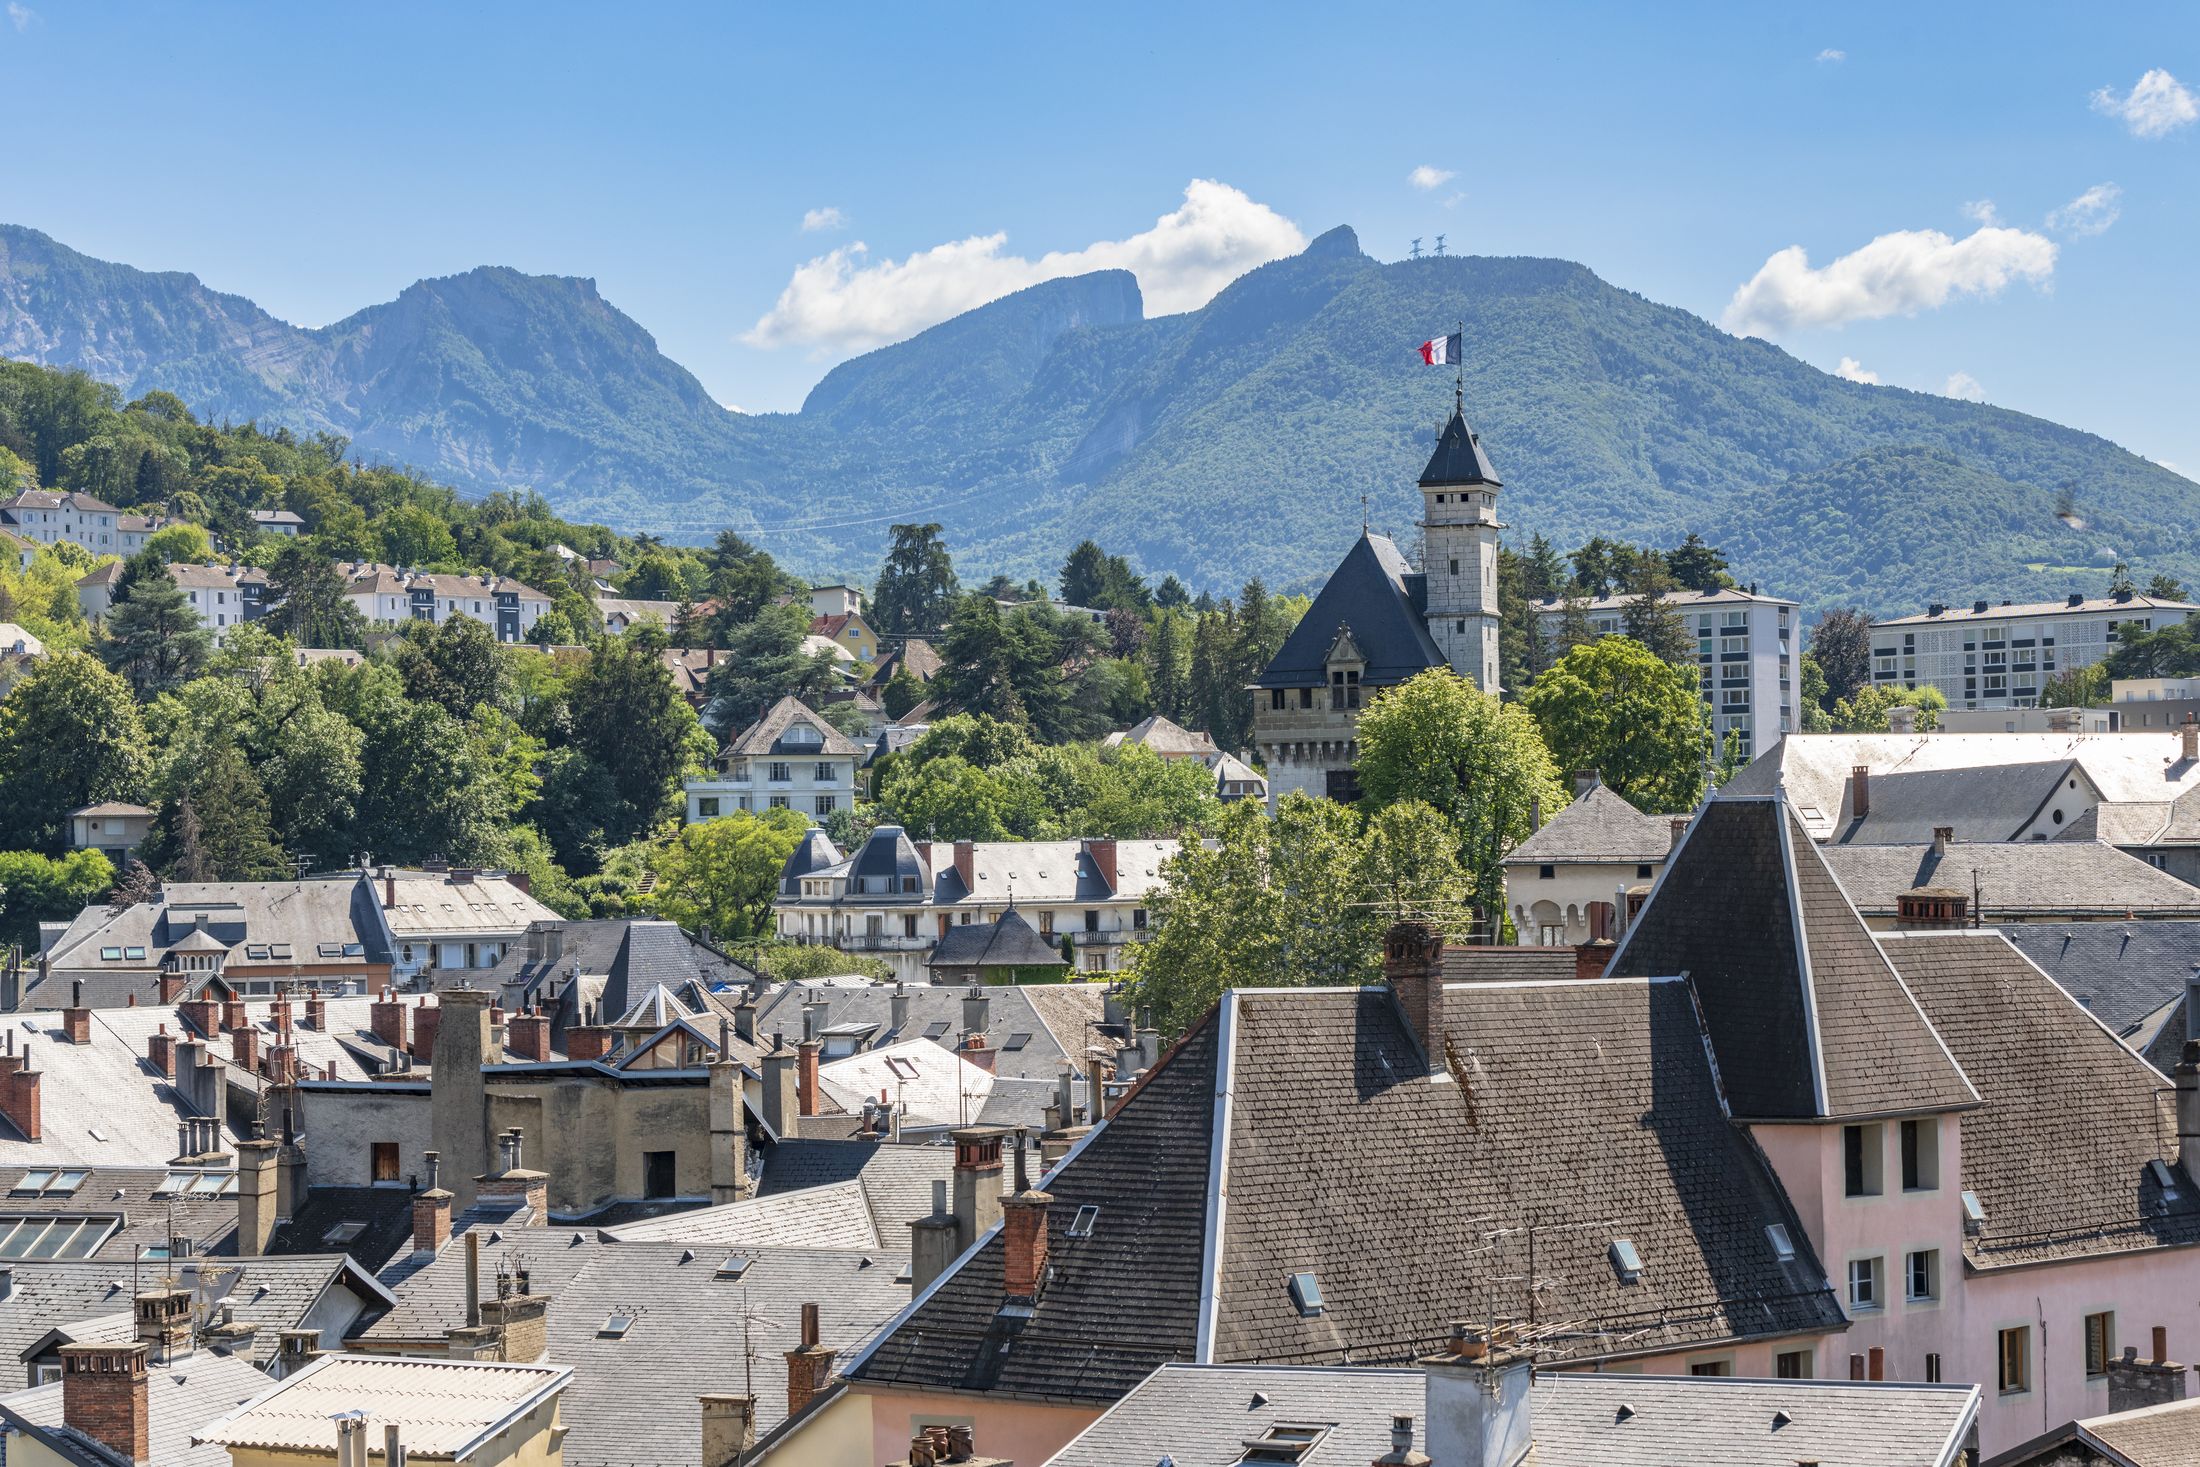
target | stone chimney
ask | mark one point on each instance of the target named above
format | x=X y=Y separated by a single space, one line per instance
x=729 y=1428
x=1942 y=834
x=104 y=1394
x=1860 y=791
x=20 y=1101
x=1585 y=780
x=161 y=1050
x=527 y=1037
x=1478 y=1401
x=1413 y=966
x=1101 y=852
x=977 y=1010
x=933 y=1241
x=431 y=1212
x=1679 y=827
x=805 y=1084
x=1402 y=1453
x=780 y=1101
x=1096 y=1084
x=809 y=1366
x=897 y=1009
x=977 y=1182
x=1024 y=1242
x=386 y=1018
x=530 y=1188
x=2188 y=740
x=161 y=1320
x=255 y=1197
x=389 y=887
x=2187 y=1076
x=1902 y=719
x=587 y=1041
x=458 y=1104
x=2133 y=1383
x=728 y=1131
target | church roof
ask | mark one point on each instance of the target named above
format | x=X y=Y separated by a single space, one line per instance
x=1375 y=596
x=1459 y=458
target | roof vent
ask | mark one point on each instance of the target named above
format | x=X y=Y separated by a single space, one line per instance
x=1780 y=1419
x=1626 y=1262
x=1977 y=607
x=1624 y=1413
x=1306 y=1294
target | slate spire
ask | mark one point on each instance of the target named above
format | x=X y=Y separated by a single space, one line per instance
x=1459 y=458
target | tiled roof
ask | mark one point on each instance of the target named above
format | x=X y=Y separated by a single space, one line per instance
x=1599 y=825
x=178 y=1402
x=445 y=1407
x=1166 y=737
x=1199 y=1414
x=765 y=735
x=1372 y=594
x=2059 y=1152
x=2015 y=880
x=1807 y=1018
x=2122 y=972
x=835 y=1215
x=2153 y=1436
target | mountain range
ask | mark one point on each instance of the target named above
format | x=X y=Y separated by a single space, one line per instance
x=1233 y=440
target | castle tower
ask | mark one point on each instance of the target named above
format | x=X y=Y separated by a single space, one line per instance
x=1459 y=529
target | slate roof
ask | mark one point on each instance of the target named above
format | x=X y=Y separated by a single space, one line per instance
x=896 y=1179
x=765 y=735
x=432 y=903
x=1986 y=802
x=382 y=1214
x=632 y=1400
x=1507 y=964
x=179 y=1399
x=1600 y=825
x=815 y=852
x=1166 y=737
x=1458 y=458
x=607 y=965
x=131 y=1195
x=1375 y=594
x=1031 y=1028
x=1200 y=1414
x=1008 y=941
x=2059 y=1152
x=834 y=1215
x=2124 y=973
x=2017 y=880
x=1807 y=1018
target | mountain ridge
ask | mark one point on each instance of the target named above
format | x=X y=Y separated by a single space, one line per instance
x=1231 y=440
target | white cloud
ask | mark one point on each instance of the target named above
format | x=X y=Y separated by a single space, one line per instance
x=1897 y=274
x=842 y=301
x=1852 y=370
x=1429 y=179
x=1965 y=386
x=21 y=16
x=1981 y=211
x=2090 y=212
x=2156 y=105
x=825 y=218
x=1833 y=57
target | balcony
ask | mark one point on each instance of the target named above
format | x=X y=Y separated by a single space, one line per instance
x=1116 y=938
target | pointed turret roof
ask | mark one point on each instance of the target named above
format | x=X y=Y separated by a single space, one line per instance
x=1372 y=592
x=1458 y=458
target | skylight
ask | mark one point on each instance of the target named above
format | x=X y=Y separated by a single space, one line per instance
x=1783 y=1247
x=343 y=1232
x=1306 y=1293
x=615 y=1326
x=936 y=1028
x=1081 y=1225
x=110 y=954
x=134 y=954
x=1974 y=1212
x=49 y=1182
x=1282 y=1442
x=1626 y=1261
x=736 y=1264
x=50 y=1237
x=1016 y=1041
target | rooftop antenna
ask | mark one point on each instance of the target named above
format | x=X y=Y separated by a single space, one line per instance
x=1415 y=252
x=1363 y=513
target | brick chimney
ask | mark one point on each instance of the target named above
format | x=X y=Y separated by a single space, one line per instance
x=427 y=1020
x=202 y=1014
x=527 y=1036
x=975 y=1051
x=729 y=1428
x=587 y=1042
x=389 y=887
x=169 y=986
x=431 y=1212
x=76 y=1020
x=977 y=1182
x=1860 y=791
x=244 y=1048
x=19 y=1098
x=1413 y=966
x=809 y=1366
x=161 y=1050
x=1024 y=1243
x=966 y=864
x=104 y=1394
x=386 y=1018
x=1101 y=852
x=316 y=1012
x=1592 y=958
x=805 y=1077
x=278 y=1014
x=234 y=1015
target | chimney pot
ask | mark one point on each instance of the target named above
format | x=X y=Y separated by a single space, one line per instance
x=1860 y=786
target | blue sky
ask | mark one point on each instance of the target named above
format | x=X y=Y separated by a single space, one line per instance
x=319 y=158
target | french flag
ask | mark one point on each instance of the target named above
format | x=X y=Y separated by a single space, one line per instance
x=1445 y=351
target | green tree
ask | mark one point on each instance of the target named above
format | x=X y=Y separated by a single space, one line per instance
x=37 y=888
x=629 y=720
x=70 y=736
x=309 y=603
x=1615 y=707
x=456 y=664
x=2165 y=587
x=2170 y=650
x=216 y=827
x=948 y=798
x=722 y=874
x=1085 y=575
x=181 y=544
x=1697 y=566
x=2077 y=687
x=916 y=586
x=153 y=636
x=2119 y=580
x=1841 y=644
x=902 y=692
x=412 y=535
x=425 y=789
x=1481 y=764
x=1168 y=655
x=1866 y=710
x=1813 y=703
x=1648 y=621
x=764 y=662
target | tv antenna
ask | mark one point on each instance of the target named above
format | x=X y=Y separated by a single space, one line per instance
x=1439 y=244
x=1415 y=252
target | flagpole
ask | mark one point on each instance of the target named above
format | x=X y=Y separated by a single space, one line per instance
x=1459 y=381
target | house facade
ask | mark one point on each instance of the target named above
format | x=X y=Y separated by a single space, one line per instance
x=790 y=759
x=222 y=596
x=1378 y=622
x=113 y=828
x=1989 y=656
x=894 y=898
x=389 y=597
x=1576 y=880
x=1745 y=648
x=458 y=918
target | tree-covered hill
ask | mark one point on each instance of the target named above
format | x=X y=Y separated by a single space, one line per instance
x=1225 y=442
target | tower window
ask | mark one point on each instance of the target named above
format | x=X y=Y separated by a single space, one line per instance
x=1455 y=565
x=1462 y=626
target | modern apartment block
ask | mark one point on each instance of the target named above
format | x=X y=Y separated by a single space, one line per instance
x=1745 y=656
x=1988 y=656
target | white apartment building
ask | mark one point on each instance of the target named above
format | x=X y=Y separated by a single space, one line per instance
x=790 y=759
x=456 y=917
x=47 y=518
x=1988 y=656
x=895 y=897
x=387 y=596
x=1745 y=656
x=224 y=596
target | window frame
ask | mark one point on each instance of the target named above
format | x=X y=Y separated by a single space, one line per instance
x=2019 y=1381
x=2096 y=1365
x=1863 y=1161
x=1874 y=1271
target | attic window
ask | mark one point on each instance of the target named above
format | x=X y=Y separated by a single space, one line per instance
x=1974 y=1213
x=902 y=1068
x=1283 y=1442
x=255 y=950
x=329 y=949
x=279 y=949
x=1081 y=1225
x=343 y=1232
x=615 y=1327
x=355 y=949
x=1306 y=1294
x=736 y=1264
x=1016 y=1041
x=1626 y=1261
x=110 y=954
x=1783 y=1247
x=935 y=1030
x=134 y=954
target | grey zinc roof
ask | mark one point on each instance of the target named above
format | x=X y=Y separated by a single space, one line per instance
x=1201 y=1414
x=2015 y=879
x=2059 y=1152
x=1807 y=1018
x=764 y=735
x=179 y=1399
x=274 y=1293
x=1571 y=1102
x=1979 y=803
x=890 y=855
x=2123 y=972
x=815 y=852
x=1370 y=592
x=1458 y=458
x=1008 y=941
x=1599 y=825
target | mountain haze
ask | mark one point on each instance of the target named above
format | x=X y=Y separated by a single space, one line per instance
x=1224 y=442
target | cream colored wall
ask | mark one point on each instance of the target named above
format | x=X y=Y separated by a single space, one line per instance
x=535 y=1440
x=590 y=1137
x=23 y=1451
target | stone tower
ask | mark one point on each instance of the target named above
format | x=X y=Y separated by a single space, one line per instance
x=1459 y=528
